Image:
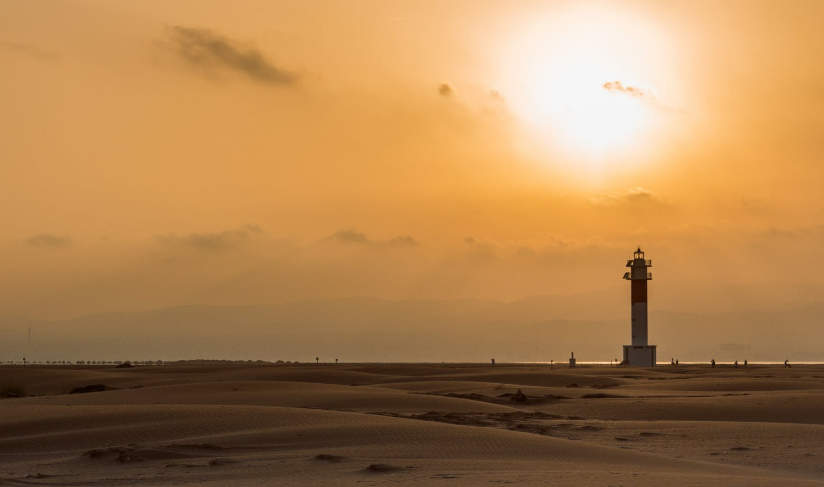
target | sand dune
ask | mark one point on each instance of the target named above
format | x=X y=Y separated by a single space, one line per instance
x=281 y=394
x=306 y=425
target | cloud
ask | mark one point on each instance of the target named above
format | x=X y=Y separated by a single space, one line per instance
x=213 y=242
x=352 y=236
x=496 y=95
x=800 y=233
x=618 y=87
x=209 y=50
x=48 y=240
x=404 y=241
x=636 y=195
x=349 y=236
x=755 y=205
x=644 y=94
x=445 y=90
x=639 y=194
x=28 y=50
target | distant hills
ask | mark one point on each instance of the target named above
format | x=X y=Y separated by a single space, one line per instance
x=538 y=328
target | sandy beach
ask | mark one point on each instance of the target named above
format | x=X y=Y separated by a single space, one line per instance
x=364 y=243
x=441 y=424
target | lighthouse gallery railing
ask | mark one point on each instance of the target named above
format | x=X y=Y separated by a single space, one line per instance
x=628 y=278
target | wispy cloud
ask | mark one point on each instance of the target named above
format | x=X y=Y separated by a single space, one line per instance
x=496 y=95
x=402 y=241
x=445 y=90
x=351 y=236
x=618 y=87
x=212 y=242
x=209 y=50
x=799 y=233
x=348 y=236
x=48 y=240
x=646 y=94
x=636 y=195
x=28 y=50
x=640 y=195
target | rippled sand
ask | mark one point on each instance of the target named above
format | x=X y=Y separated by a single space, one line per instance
x=429 y=424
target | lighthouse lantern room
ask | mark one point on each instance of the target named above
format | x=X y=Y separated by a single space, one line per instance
x=640 y=353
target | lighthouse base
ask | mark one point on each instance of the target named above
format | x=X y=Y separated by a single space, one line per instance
x=639 y=355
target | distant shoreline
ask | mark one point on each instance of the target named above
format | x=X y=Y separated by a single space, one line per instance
x=261 y=363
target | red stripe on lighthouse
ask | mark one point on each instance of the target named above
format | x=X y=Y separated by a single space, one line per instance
x=639 y=291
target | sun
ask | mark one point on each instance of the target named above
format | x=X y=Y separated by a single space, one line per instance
x=577 y=79
x=574 y=106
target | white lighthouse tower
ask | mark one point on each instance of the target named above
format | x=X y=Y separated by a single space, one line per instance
x=640 y=353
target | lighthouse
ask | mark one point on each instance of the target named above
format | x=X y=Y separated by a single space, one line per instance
x=640 y=353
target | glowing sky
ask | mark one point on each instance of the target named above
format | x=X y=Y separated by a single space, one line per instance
x=160 y=153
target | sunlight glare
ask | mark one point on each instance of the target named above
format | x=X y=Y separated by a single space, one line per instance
x=555 y=71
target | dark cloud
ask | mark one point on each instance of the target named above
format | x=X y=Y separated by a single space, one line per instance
x=445 y=90
x=352 y=236
x=618 y=87
x=48 y=240
x=207 y=49
x=213 y=242
x=404 y=241
x=28 y=50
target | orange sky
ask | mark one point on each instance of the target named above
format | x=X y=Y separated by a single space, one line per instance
x=163 y=153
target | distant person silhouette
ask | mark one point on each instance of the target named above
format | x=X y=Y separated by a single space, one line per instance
x=672 y=361
x=736 y=364
x=745 y=362
x=676 y=361
x=713 y=363
x=787 y=363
